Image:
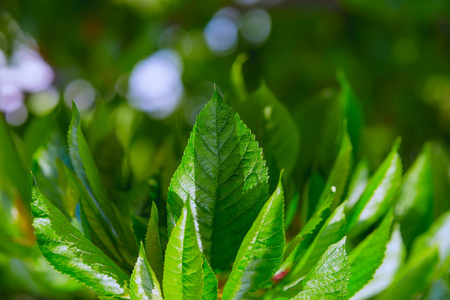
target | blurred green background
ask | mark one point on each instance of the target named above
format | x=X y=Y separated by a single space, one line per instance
x=141 y=70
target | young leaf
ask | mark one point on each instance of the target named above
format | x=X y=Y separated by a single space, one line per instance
x=299 y=244
x=183 y=266
x=331 y=232
x=261 y=252
x=368 y=256
x=352 y=110
x=153 y=244
x=414 y=207
x=139 y=227
x=340 y=171
x=210 y=283
x=436 y=236
x=144 y=284
x=378 y=194
x=71 y=253
x=98 y=203
x=414 y=277
x=329 y=277
x=224 y=175
x=384 y=275
x=357 y=184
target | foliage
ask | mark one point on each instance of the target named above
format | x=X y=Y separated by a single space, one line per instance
x=287 y=187
x=219 y=212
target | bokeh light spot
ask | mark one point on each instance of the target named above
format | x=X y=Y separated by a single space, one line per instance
x=155 y=84
x=221 y=33
x=80 y=91
x=255 y=26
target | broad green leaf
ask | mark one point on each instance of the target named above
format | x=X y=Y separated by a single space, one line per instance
x=143 y=283
x=393 y=259
x=261 y=252
x=329 y=277
x=368 y=256
x=274 y=128
x=340 y=171
x=414 y=207
x=299 y=244
x=98 y=204
x=224 y=175
x=379 y=193
x=183 y=266
x=414 y=277
x=210 y=283
x=358 y=183
x=153 y=244
x=71 y=253
x=12 y=170
x=331 y=232
x=352 y=110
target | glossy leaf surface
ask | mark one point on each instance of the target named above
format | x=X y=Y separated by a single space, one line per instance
x=299 y=244
x=379 y=193
x=153 y=244
x=71 y=253
x=183 y=266
x=101 y=218
x=261 y=252
x=143 y=283
x=224 y=175
x=414 y=207
x=368 y=256
x=384 y=275
x=329 y=277
x=210 y=283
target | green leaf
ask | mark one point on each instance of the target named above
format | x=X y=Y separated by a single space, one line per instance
x=210 y=283
x=144 y=284
x=340 y=171
x=261 y=252
x=414 y=207
x=329 y=277
x=414 y=277
x=331 y=232
x=224 y=175
x=368 y=256
x=71 y=253
x=139 y=227
x=100 y=213
x=183 y=266
x=358 y=183
x=153 y=244
x=435 y=237
x=352 y=110
x=299 y=244
x=312 y=191
x=274 y=128
x=393 y=260
x=379 y=193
